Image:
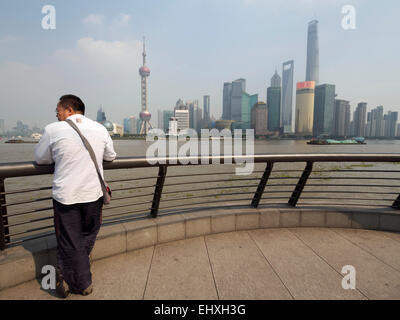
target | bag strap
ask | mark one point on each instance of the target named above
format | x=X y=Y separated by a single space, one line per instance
x=91 y=152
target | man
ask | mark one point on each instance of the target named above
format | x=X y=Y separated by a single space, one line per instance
x=77 y=192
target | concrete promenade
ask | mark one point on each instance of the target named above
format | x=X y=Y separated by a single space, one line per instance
x=274 y=263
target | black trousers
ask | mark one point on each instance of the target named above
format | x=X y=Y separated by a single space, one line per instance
x=76 y=227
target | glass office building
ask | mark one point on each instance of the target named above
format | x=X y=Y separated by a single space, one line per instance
x=324 y=107
x=274 y=108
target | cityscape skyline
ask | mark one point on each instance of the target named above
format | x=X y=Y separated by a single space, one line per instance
x=289 y=42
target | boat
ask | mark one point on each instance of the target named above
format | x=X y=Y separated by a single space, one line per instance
x=36 y=136
x=20 y=141
x=319 y=141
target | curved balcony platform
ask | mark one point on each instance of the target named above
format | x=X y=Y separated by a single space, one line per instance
x=201 y=232
x=280 y=263
x=236 y=253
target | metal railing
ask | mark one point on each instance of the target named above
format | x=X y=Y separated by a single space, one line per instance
x=26 y=213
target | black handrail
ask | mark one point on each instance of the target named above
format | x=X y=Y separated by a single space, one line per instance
x=22 y=169
x=30 y=168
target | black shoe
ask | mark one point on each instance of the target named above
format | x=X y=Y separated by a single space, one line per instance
x=87 y=291
x=62 y=288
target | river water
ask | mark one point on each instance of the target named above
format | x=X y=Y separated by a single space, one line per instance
x=136 y=148
x=133 y=196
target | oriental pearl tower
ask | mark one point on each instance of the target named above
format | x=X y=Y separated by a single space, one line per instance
x=145 y=115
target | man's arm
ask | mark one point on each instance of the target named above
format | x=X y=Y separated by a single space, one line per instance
x=43 y=150
x=109 y=153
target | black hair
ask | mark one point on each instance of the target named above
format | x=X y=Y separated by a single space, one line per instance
x=69 y=100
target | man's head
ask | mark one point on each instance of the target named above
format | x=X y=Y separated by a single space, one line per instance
x=68 y=106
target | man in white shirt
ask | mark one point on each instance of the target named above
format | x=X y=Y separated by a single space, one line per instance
x=77 y=192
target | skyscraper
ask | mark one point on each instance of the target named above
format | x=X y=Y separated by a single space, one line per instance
x=287 y=96
x=274 y=103
x=312 y=69
x=182 y=116
x=390 y=124
x=195 y=115
x=206 y=107
x=181 y=113
x=145 y=115
x=342 y=118
x=276 y=80
x=274 y=108
x=101 y=116
x=226 y=103
x=248 y=101
x=324 y=106
x=130 y=125
x=2 y=129
x=259 y=118
x=206 y=112
x=359 y=118
x=192 y=107
x=376 y=122
x=167 y=114
x=160 y=124
x=238 y=88
x=304 y=107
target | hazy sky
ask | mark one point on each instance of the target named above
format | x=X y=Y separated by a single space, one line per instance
x=193 y=47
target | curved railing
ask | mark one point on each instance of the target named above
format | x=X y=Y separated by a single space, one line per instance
x=144 y=191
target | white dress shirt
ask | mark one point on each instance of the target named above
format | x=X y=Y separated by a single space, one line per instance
x=75 y=177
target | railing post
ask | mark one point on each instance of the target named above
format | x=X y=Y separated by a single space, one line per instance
x=262 y=184
x=3 y=217
x=300 y=184
x=162 y=172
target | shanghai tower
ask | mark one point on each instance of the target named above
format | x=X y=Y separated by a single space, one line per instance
x=312 y=71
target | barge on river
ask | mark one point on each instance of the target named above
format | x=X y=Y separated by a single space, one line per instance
x=317 y=141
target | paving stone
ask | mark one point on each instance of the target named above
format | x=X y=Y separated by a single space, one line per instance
x=181 y=270
x=240 y=269
x=374 y=278
x=303 y=272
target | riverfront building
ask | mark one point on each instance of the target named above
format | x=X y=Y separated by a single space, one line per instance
x=248 y=101
x=375 y=120
x=274 y=103
x=324 y=106
x=101 y=115
x=287 y=96
x=276 y=80
x=380 y=125
x=130 y=125
x=342 y=118
x=274 y=108
x=173 y=126
x=390 y=120
x=312 y=69
x=237 y=104
x=206 y=109
x=304 y=107
x=2 y=129
x=226 y=103
x=182 y=118
x=359 y=119
x=195 y=115
x=167 y=114
x=259 y=118
x=238 y=88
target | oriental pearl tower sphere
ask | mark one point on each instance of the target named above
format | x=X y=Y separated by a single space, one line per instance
x=145 y=115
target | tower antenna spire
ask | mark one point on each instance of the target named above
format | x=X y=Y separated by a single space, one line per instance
x=144 y=51
x=144 y=115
